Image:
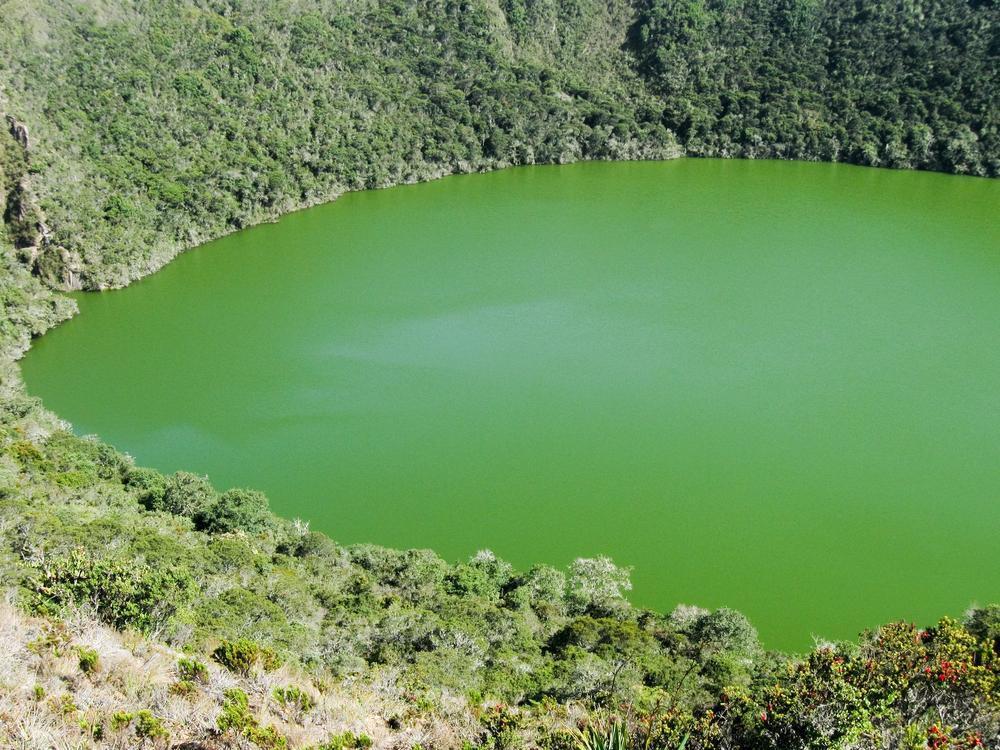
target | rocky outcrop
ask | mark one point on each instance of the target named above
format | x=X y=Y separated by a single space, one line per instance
x=19 y=131
x=24 y=219
x=58 y=267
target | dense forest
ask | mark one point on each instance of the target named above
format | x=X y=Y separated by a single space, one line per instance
x=908 y=85
x=134 y=130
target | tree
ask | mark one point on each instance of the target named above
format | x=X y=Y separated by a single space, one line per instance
x=725 y=630
x=543 y=588
x=149 y=485
x=596 y=586
x=184 y=494
x=236 y=510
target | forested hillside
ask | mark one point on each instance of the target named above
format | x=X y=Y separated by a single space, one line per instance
x=895 y=84
x=134 y=130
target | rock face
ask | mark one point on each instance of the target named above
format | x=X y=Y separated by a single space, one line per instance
x=19 y=131
x=23 y=218
x=57 y=266
x=14 y=200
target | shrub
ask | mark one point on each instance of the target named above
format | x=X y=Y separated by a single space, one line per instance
x=465 y=581
x=543 y=588
x=484 y=575
x=88 y=659
x=186 y=495
x=120 y=720
x=237 y=717
x=501 y=725
x=191 y=670
x=93 y=728
x=145 y=724
x=241 y=655
x=725 y=630
x=149 y=486
x=29 y=456
x=346 y=741
x=9 y=476
x=984 y=624
x=294 y=697
x=597 y=587
x=64 y=704
x=55 y=638
x=227 y=615
x=183 y=688
x=148 y=726
x=236 y=510
x=235 y=712
x=124 y=593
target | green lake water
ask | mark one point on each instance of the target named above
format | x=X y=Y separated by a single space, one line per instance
x=768 y=385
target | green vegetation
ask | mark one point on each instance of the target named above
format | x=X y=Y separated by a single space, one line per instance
x=243 y=655
x=348 y=741
x=615 y=738
x=141 y=115
x=236 y=717
x=154 y=126
x=124 y=593
x=191 y=670
x=879 y=83
x=88 y=659
x=294 y=697
x=142 y=723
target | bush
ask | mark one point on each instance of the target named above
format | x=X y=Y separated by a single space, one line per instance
x=543 y=588
x=187 y=495
x=228 y=614
x=242 y=655
x=144 y=723
x=124 y=593
x=236 y=510
x=237 y=717
x=191 y=670
x=148 y=726
x=9 y=476
x=292 y=696
x=597 y=587
x=725 y=630
x=149 y=486
x=183 y=688
x=88 y=659
x=346 y=741
x=120 y=720
x=984 y=624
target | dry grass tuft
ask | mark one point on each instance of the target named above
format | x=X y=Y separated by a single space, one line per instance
x=48 y=701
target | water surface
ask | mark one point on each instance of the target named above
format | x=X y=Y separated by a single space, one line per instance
x=773 y=386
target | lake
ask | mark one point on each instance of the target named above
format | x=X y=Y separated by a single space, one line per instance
x=773 y=386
